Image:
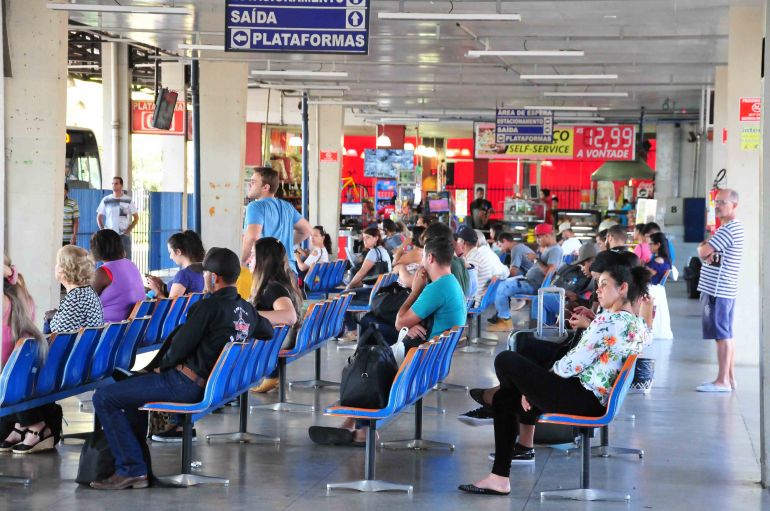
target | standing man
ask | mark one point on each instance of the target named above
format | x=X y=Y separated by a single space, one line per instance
x=114 y=212
x=71 y=219
x=721 y=255
x=271 y=217
x=481 y=209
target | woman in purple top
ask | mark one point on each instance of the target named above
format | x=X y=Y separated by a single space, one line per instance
x=118 y=281
x=186 y=250
x=661 y=260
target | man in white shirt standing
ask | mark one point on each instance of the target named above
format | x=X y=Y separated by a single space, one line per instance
x=118 y=212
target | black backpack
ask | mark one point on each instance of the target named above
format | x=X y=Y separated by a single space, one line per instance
x=367 y=378
x=387 y=302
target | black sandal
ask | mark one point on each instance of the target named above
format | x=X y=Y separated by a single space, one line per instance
x=330 y=436
x=472 y=488
x=45 y=442
x=8 y=446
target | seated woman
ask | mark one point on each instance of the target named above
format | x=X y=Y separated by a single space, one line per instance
x=377 y=261
x=39 y=429
x=578 y=383
x=118 y=281
x=186 y=250
x=642 y=248
x=274 y=294
x=661 y=259
x=320 y=247
x=408 y=258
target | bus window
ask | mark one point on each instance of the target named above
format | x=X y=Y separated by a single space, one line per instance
x=82 y=157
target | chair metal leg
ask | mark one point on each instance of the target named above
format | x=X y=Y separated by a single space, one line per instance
x=417 y=443
x=450 y=387
x=473 y=349
x=605 y=450
x=242 y=436
x=370 y=484
x=4 y=479
x=282 y=405
x=317 y=382
x=585 y=492
x=186 y=478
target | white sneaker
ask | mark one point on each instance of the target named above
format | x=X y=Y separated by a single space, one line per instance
x=710 y=387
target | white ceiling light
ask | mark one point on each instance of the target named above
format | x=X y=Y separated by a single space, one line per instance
x=524 y=53
x=430 y=152
x=383 y=141
x=569 y=77
x=120 y=9
x=585 y=94
x=420 y=151
x=434 y=16
x=343 y=103
x=408 y=146
x=295 y=141
x=301 y=73
x=209 y=47
x=564 y=108
x=302 y=86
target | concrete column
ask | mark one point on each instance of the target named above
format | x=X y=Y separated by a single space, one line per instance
x=326 y=123
x=743 y=80
x=173 y=145
x=764 y=274
x=116 y=79
x=223 y=88
x=35 y=116
x=719 y=146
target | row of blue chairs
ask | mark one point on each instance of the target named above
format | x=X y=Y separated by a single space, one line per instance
x=239 y=366
x=165 y=315
x=324 y=278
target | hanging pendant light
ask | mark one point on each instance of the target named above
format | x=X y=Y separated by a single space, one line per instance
x=383 y=140
x=295 y=141
x=409 y=146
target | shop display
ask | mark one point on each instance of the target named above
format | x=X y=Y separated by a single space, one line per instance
x=584 y=222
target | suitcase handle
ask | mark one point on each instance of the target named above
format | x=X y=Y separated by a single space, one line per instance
x=541 y=328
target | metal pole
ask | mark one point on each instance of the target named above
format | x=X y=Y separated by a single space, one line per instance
x=186 y=444
x=244 y=412
x=318 y=364
x=418 y=420
x=585 y=451
x=115 y=109
x=196 y=114
x=305 y=160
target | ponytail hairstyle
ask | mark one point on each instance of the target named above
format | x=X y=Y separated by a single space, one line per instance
x=20 y=317
x=417 y=232
x=637 y=278
x=271 y=265
x=660 y=238
x=374 y=232
x=327 y=238
x=189 y=244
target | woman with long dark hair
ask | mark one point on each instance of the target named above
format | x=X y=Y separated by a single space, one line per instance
x=186 y=250
x=578 y=383
x=661 y=259
x=274 y=292
x=320 y=248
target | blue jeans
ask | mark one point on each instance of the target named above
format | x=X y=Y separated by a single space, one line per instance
x=509 y=287
x=117 y=407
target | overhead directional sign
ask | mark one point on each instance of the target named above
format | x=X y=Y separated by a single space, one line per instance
x=515 y=125
x=297 y=26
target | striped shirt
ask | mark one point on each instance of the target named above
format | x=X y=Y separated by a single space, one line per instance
x=71 y=213
x=722 y=280
x=487 y=265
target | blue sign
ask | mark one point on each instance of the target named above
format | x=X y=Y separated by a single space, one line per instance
x=297 y=26
x=515 y=125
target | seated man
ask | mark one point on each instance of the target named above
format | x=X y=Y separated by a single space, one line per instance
x=569 y=243
x=548 y=260
x=183 y=366
x=442 y=300
x=617 y=238
x=518 y=253
x=486 y=263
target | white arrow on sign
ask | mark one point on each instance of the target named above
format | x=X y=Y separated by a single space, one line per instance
x=355 y=19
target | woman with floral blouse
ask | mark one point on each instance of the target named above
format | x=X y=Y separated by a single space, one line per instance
x=578 y=383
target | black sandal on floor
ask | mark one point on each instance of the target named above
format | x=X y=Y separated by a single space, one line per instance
x=472 y=488
x=45 y=442
x=8 y=446
x=330 y=436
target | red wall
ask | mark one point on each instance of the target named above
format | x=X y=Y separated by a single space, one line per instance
x=254 y=143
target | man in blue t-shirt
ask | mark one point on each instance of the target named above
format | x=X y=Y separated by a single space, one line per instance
x=270 y=217
x=442 y=299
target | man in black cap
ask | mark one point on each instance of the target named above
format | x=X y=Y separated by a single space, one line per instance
x=181 y=369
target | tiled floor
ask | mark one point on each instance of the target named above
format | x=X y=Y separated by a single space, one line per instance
x=701 y=450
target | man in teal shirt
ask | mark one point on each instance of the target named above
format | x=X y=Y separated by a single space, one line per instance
x=442 y=299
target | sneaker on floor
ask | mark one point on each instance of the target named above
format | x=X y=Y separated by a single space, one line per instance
x=520 y=454
x=518 y=305
x=710 y=387
x=502 y=325
x=171 y=436
x=493 y=320
x=481 y=416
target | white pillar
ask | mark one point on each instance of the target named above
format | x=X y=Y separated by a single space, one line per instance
x=223 y=88
x=173 y=146
x=116 y=81
x=764 y=274
x=326 y=135
x=743 y=80
x=35 y=115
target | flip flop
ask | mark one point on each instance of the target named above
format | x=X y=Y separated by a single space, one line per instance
x=330 y=436
x=710 y=387
x=472 y=488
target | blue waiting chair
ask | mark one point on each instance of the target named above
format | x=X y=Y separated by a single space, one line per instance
x=142 y=308
x=79 y=359
x=192 y=299
x=383 y=280
x=173 y=316
x=153 y=335
x=124 y=356
x=103 y=361
x=586 y=424
x=18 y=374
x=50 y=374
x=474 y=313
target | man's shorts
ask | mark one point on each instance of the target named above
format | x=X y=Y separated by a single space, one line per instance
x=717 y=316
